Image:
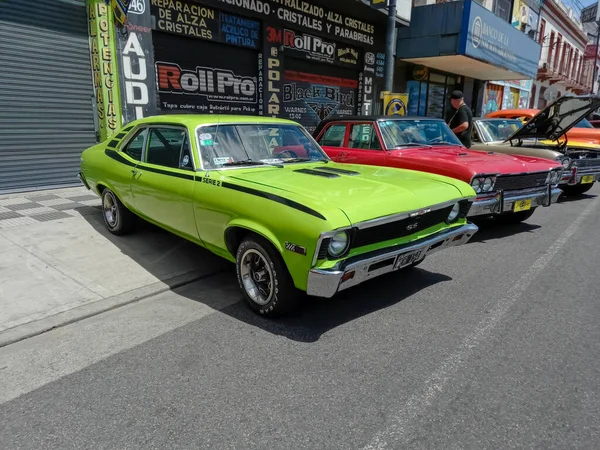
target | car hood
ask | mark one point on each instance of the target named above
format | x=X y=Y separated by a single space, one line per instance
x=558 y=117
x=471 y=162
x=361 y=192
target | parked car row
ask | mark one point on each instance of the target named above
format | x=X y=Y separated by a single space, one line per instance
x=320 y=214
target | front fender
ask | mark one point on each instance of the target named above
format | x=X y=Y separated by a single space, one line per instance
x=256 y=228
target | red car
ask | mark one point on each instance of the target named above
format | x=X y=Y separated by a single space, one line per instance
x=510 y=187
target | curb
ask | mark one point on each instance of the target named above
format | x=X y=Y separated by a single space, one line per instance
x=35 y=328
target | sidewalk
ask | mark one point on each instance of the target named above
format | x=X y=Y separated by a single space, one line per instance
x=59 y=263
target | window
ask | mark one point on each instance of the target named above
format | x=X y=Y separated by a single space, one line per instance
x=333 y=136
x=136 y=145
x=363 y=136
x=399 y=133
x=228 y=145
x=166 y=148
x=542 y=31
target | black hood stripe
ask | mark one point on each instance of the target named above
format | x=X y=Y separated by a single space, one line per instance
x=275 y=198
x=118 y=157
x=336 y=170
x=317 y=173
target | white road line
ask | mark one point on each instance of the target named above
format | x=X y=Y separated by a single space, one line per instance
x=435 y=384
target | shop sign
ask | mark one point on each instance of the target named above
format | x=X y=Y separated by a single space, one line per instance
x=198 y=21
x=273 y=67
x=136 y=55
x=490 y=39
x=104 y=67
x=380 y=65
x=368 y=82
x=120 y=10
x=420 y=73
x=300 y=13
x=315 y=48
x=394 y=104
x=214 y=79
x=309 y=98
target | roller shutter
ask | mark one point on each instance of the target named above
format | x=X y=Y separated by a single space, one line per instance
x=46 y=94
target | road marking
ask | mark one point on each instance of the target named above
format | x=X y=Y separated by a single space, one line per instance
x=435 y=384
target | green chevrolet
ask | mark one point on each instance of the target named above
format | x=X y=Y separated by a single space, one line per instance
x=261 y=193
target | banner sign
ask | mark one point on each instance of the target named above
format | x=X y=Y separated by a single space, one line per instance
x=136 y=69
x=104 y=67
x=394 y=104
x=213 y=79
x=315 y=48
x=309 y=98
x=198 y=21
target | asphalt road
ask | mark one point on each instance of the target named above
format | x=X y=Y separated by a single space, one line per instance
x=494 y=345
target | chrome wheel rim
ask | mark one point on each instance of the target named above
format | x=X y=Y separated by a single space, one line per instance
x=257 y=277
x=109 y=208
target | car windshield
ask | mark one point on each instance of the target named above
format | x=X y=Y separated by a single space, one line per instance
x=492 y=130
x=584 y=123
x=256 y=144
x=399 y=133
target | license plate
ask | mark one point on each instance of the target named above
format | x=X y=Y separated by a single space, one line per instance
x=586 y=179
x=522 y=205
x=407 y=259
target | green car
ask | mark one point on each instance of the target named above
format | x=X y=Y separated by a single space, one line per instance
x=261 y=193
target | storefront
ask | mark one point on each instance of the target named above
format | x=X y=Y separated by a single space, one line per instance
x=304 y=61
x=461 y=45
x=511 y=94
x=46 y=98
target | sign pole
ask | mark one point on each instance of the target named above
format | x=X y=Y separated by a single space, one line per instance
x=595 y=72
x=390 y=46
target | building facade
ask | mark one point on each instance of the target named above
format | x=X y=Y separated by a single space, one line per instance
x=463 y=45
x=89 y=74
x=564 y=66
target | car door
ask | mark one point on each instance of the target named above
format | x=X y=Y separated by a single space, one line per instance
x=163 y=183
x=332 y=139
x=126 y=161
x=363 y=146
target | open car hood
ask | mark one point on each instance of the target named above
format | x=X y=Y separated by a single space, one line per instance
x=557 y=118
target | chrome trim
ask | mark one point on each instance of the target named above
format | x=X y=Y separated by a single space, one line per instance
x=326 y=235
x=488 y=205
x=405 y=215
x=327 y=282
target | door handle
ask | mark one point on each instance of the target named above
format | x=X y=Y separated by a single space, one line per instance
x=135 y=174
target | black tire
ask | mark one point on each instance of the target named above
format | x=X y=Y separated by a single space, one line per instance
x=578 y=189
x=118 y=219
x=276 y=299
x=515 y=217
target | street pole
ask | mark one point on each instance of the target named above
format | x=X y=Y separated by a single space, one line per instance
x=596 y=57
x=390 y=46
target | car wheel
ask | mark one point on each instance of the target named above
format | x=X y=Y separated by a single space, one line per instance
x=118 y=219
x=516 y=217
x=264 y=279
x=578 y=189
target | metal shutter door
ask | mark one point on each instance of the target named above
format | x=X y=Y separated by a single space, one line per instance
x=46 y=109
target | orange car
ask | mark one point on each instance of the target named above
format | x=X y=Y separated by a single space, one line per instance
x=583 y=131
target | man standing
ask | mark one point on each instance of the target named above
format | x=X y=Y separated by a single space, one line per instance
x=462 y=120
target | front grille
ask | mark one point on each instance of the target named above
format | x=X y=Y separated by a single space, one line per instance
x=513 y=182
x=594 y=162
x=397 y=229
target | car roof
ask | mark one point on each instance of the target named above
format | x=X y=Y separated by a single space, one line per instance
x=193 y=120
x=375 y=118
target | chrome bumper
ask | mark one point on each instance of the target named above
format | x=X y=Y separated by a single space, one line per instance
x=571 y=179
x=504 y=201
x=327 y=282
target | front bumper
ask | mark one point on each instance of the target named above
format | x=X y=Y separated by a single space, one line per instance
x=327 y=282
x=574 y=177
x=501 y=202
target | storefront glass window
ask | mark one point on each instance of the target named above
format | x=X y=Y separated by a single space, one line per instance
x=435 y=103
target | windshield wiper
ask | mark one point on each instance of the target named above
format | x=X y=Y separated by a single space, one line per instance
x=446 y=143
x=250 y=162
x=413 y=144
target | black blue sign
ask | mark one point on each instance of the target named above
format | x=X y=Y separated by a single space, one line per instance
x=492 y=40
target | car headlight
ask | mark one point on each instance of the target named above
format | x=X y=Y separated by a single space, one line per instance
x=565 y=161
x=453 y=213
x=483 y=184
x=338 y=244
x=552 y=177
x=488 y=184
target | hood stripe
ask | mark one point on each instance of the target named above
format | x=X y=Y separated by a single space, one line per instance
x=317 y=173
x=275 y=198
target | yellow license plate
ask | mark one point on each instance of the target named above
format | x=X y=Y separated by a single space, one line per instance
x=522 y=205
x=586 y=179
